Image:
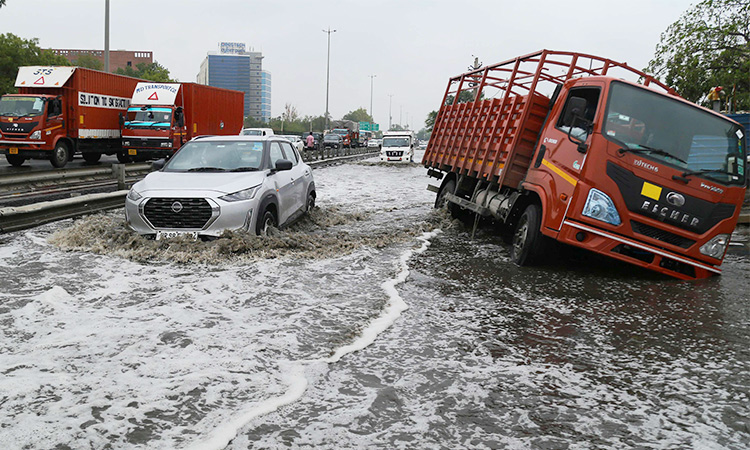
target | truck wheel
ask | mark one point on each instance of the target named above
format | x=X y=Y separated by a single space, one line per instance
x=60 y=155
x=528 y=241
x=15 y=160
x=92 y=158
x=123 y=158
x=266 y=223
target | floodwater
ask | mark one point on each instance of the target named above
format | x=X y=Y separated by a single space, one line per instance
x=375 y=323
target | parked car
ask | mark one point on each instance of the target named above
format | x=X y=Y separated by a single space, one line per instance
x=219 y=183
x=374 y=143
x=256 y=132
x=333 y=141
x=295 y=140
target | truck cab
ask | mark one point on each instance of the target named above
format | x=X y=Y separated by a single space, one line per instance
x=152 y=131
x=30 y=124
x=398 y=146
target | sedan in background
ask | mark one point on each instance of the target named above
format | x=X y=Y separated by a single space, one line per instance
x=218 y=183
x=374 y=143
x=295 y=140
x=333 y=141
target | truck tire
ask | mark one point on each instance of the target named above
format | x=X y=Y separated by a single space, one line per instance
x=123 y=158
x=440 y=202
x=266 y=222
x=91 y=158
x=60 y=155
x=528 y=243
x=15 y=160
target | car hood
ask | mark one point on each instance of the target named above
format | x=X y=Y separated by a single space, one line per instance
x=222 y=182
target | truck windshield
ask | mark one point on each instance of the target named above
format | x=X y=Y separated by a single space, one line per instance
x=149 y=117
x=675 y=133
x=17 y=106
x=395 y=142
x=340 y=131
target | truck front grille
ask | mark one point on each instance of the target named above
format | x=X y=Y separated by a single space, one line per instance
x=661 y=235
x=394 y=153
x=191 y=213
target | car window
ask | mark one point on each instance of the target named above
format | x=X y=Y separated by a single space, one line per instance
x=275 y=153
x=292 y=155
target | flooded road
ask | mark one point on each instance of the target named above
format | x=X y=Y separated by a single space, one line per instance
x=376 y=323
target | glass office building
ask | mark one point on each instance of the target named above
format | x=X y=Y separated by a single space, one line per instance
x=235 y=68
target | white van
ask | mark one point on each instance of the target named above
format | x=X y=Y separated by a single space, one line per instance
x=398 y=146
x=256 y=132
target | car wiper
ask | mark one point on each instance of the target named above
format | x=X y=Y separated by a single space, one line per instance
x=645 y=148
x=245 y=169
x=207 y=169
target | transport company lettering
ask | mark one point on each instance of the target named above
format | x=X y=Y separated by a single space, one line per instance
x=102 y=101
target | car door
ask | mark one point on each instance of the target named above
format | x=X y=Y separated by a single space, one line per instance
x=299 y=186
x=282 y=181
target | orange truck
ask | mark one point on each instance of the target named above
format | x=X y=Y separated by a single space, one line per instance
x=60 y=111
x=163 y=116
x=560 y=146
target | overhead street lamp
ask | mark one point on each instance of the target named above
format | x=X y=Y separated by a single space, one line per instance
x=328 y=69
x=106 y=36
x=390 y=115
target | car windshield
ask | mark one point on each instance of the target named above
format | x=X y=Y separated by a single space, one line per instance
x=16 y=106
x=252 y=133
x=396 y=142
x=149 y=117
x=675 y=133
x=217 y=156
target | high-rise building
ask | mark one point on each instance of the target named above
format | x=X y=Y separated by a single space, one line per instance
x=235 y=67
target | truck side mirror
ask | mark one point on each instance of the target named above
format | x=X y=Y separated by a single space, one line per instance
x=122 y=120
x=179 y=117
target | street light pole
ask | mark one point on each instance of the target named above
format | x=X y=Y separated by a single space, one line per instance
x=372 y=77
x=328 y=69
x=390 y=115
x=106 y=36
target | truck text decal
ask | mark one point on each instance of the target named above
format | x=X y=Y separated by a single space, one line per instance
x=102 y=101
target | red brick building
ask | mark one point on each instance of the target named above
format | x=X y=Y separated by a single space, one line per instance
x=117 y=58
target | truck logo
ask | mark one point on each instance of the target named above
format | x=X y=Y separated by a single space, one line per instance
x=176 y=207
x=645 y=165
x=550 y=140
x=718 y=190
x=665 y=212
x=675 y=199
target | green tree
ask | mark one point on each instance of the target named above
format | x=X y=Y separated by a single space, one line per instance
x=252 y=122
x=358 y=115
x=16 y=52
x=429 y=122
x=152 y=72
x=2 y=3
x=89 y=62
x=708 y=46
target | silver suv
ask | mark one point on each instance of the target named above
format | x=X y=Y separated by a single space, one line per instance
x=222 y=183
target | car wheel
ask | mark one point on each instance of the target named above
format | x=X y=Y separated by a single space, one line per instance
x=60 y=155
x=266 y=223
x=528 y=241
x=15 y=160
x=310 y=205
x=92 y=158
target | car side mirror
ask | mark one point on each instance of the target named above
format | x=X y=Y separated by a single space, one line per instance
x=158 y=164
x=283 y=164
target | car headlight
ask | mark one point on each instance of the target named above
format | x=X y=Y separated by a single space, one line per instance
x=600 y=207
x=133 y=195
x=36 y=135
x=245 y=194
x=716 y=246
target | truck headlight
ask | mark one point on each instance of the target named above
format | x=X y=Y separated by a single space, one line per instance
x=245 y=194
x=166 y=144
x=126 y=143
x=716 y=246
x=133 y=195
x=36 y=135
x=600 y=207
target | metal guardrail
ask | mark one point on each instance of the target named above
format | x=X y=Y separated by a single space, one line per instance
x=29 y=216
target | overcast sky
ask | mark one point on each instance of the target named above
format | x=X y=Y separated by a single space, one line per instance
x=412 y=46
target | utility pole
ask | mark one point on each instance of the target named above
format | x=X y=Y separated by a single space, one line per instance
x=328 y=69
x=372 y=77
x=106 y=36
x=390 y=115
x=401 y=115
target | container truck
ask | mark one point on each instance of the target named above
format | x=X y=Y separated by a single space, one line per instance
x=59 y=111
x=398 y=146
x=163 y=116
x=560 y=146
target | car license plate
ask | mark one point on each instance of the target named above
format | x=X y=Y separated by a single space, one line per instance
x=132 y=152
x=13 y=150
x=161 y=235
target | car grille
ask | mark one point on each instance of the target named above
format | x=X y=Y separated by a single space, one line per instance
x=178 y=212
x=661 y=235
x=394 y=153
